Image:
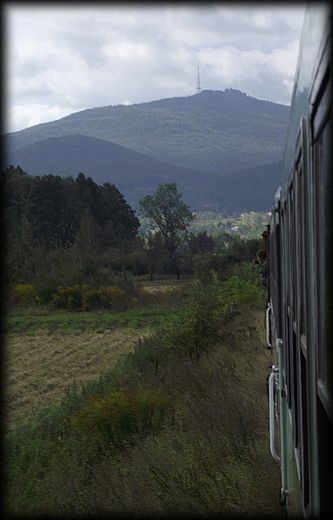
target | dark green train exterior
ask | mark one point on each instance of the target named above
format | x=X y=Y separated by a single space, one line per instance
x=299 y=314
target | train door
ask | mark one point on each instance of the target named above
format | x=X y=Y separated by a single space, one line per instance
x=285 y=352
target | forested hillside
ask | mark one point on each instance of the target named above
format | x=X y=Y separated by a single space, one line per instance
x=135 y=174
x=211 y=131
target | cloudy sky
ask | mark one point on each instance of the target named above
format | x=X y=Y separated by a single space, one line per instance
x=66 y=58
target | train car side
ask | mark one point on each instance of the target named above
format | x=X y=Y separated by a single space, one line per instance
x=299 y=317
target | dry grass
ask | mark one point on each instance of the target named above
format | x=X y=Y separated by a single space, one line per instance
x=40 y=368
x=161 y=285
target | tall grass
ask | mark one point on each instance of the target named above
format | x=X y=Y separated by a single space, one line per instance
x=158 y=434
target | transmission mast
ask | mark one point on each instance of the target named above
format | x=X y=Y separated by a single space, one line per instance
x=198 y=82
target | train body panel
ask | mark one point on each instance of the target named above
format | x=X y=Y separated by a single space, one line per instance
x=316 y=21
x=300 y=283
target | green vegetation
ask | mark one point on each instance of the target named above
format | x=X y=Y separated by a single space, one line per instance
x=169 y=218
x=122 y=414
x=48 y=322
x=131 y=388
x=179 y=425
x=75 y=244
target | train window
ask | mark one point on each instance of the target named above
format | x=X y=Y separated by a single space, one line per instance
x=292 y=258
x=300 y=249
x=326 y=359
x=286 y=274
x=304 y=430
x=285 y=322
x=302 y=212
x=288 y=318
x=322 y=215
x=289 y=374
x=322 y=221
x=295 y=389
x=326 y=434
x=323 y=227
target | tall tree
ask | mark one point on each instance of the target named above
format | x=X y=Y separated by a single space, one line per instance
x=108 y=207
x=55 y=210
x=125 y=224
x=169 y=216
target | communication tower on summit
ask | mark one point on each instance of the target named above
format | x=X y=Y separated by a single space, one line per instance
x=198 y=83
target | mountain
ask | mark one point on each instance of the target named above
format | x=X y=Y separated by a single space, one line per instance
x=225 y=131
x=136 y=174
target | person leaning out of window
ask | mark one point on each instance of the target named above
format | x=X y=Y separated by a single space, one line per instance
x=262 y=261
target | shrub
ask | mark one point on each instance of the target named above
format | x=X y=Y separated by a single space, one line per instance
x=123 y=413
x=242 y=292
x=203 y=268
x=105 y=297
x=69 y=297
x=202 y=321
x=24 y=293
x=82 y=296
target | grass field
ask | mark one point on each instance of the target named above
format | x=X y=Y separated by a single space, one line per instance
x=39 y=368
x=47 y=353
x=207 y=451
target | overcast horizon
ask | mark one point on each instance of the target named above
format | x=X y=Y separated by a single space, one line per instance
x=61 y=59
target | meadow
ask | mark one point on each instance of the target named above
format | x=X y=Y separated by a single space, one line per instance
x=156 y=410
x=46 y=354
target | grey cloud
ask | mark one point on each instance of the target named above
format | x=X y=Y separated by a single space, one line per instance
x=71 y=58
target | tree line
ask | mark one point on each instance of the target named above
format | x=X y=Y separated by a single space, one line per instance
x=64 y=231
